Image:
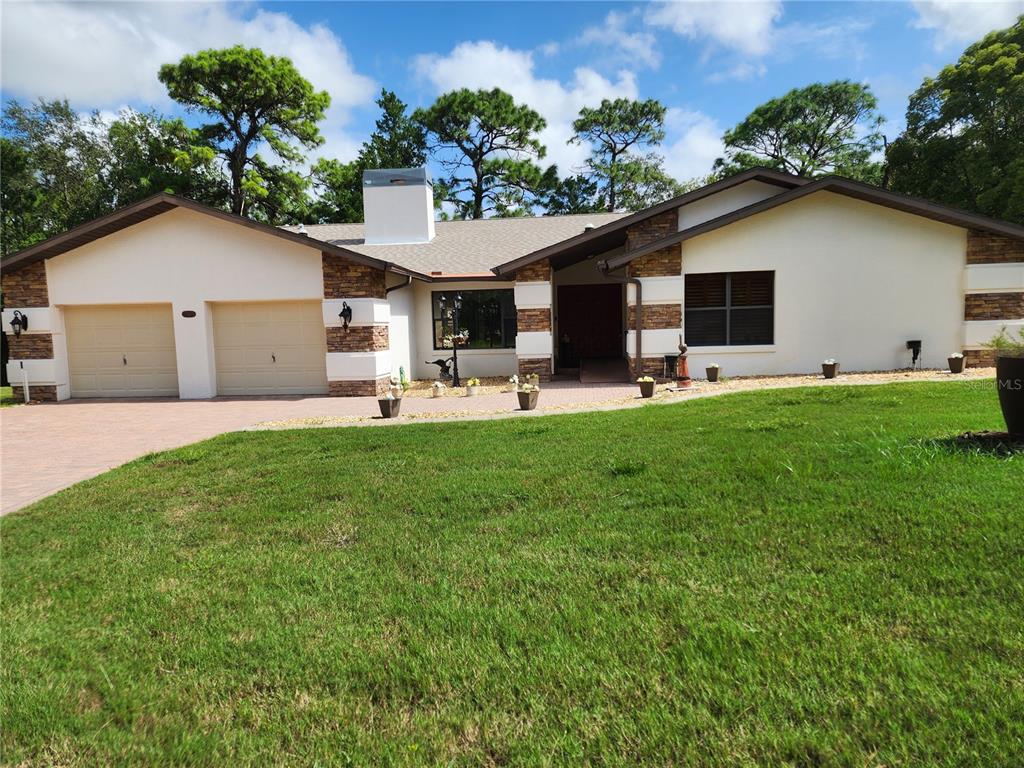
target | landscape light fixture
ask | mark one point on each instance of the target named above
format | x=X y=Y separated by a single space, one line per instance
x=19 y=323
x=345 y=315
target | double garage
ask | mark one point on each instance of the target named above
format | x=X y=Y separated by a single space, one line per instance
x=259 y=348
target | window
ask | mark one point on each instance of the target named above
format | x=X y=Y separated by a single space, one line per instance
x=730 y=308
x=489 y=316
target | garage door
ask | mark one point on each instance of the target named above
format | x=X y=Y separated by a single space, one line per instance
x=273 y=348
x=121 y=351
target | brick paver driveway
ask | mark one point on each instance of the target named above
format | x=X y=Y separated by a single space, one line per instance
x=49 y=447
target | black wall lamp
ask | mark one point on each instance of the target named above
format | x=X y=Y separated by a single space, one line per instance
x=345 y=315
x=19 y=323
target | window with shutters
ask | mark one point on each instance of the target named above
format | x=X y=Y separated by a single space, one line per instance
x=729 y=309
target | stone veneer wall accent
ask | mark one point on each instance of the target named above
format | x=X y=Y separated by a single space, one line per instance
x=649 y=366
x=539 y=271
x=43 y=393
x=663 y=263
x=985 y=248
x=539 y=365
x=25 y=287
x=358 y=338
x=345 y=279
x=994 y=306
x=30 y=346
x=656 y=317
x=368 y=388
x=979 y=358
x=533 y=320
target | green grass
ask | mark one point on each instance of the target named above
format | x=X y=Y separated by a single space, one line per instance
x=7 y=398
x=801 y=577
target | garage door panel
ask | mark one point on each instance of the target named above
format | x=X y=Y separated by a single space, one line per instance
x=121 y=351
x=270 y=348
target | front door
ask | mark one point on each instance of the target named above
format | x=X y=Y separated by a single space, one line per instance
x=589 y=322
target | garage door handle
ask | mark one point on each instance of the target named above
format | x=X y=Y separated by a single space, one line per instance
x=124 y=359
x=273 y=357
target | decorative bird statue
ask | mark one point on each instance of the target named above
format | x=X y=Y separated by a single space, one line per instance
x=444 y=366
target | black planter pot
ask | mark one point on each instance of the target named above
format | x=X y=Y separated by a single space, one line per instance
x=956 y=364
x=1010 y=381
x=389 y=408
x=646 y=389
x=528 y=400
x=712 y=374
x=829 y=370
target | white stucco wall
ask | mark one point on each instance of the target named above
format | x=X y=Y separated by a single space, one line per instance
x=724 y=202
x=472 y=362
x=853 y=281
x=189 y=260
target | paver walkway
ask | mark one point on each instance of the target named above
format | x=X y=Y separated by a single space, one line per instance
x=49 y=447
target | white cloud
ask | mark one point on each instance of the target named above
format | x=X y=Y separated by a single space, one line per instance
x=742 y=26
x=485 y=64
x=964 y=21
x=99 y=55
x=694 y=143
x=613 y=35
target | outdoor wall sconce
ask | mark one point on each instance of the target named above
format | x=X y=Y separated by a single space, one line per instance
x=914 y=346
x=19 y=323
x=345 y=315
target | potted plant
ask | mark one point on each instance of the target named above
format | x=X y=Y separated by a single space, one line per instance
x=437 y=389
x=646 y=386
x=391 y=403
x=1010 y=378
x=472 y=387
x=513 y=383
x=829 y=368
x=528 y=394
x=534 y=379
x=956 y=362
x=712 y=371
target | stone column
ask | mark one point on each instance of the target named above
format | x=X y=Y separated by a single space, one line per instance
x=359 y=357
x=533 y=296
x=660 y=275
x=994 y=296
x=41 y=349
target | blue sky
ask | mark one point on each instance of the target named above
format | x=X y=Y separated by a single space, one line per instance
x=710 y=63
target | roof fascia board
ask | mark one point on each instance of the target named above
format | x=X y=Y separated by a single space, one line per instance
x=766 y=175
x=27 y=255
x=846 y=187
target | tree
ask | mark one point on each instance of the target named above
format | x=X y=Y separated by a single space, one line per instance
x=575 y=194
x=644 y=183
x=964 y=141
x=149 y=153
x=397 y=142
x=257 y=100
x=617 y=132
x=820 y=129
x=54 y=162
x=487 y=144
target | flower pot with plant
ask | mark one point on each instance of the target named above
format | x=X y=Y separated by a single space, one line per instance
x=646 y=386
x=956 y=362
x=472 y=387
x=1010 y=378
x=712 y=371
x=391 y=403
x=528 y=395
x=829 y=368
x=437 y=389
x=513 y=383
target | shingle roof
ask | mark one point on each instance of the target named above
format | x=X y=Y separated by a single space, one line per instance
x=465 y=247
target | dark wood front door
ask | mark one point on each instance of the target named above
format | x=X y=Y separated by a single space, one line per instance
x=589 y=322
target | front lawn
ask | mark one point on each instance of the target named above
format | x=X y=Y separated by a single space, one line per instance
x=7 y=397
x=795 y=577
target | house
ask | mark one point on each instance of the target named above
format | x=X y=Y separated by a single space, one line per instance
x=763 y=272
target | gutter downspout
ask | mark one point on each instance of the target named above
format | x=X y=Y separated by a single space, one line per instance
x=603 y=266
x=406 y=284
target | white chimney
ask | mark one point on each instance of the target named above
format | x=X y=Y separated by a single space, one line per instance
x=398 y=206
